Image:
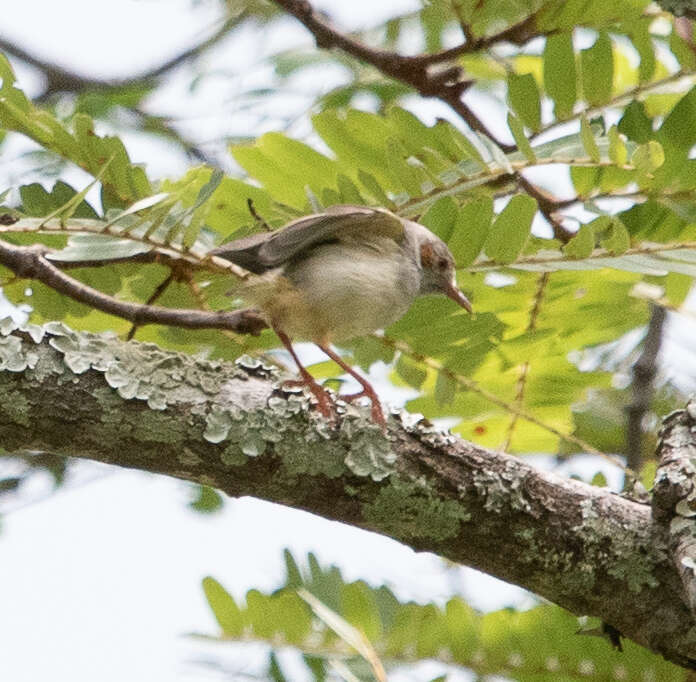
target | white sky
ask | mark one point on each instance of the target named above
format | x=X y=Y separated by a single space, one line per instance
x=101 y=582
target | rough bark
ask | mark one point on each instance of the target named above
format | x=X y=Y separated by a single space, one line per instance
x=228 y=426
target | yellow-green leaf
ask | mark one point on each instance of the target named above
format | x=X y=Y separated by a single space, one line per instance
x=588 y=141
x=523 y=96
x=617 y=239
x=471 y=230
x=597 y=63
x=510 y=230
x=559 y=73
x=582 y=244
x=517 y=130
x=617 y=147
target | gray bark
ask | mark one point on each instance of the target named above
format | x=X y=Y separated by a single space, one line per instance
x=228 y=426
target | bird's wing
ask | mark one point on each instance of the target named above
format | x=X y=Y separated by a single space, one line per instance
x=261 y=252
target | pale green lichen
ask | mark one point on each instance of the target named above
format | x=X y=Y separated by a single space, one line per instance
x=144 y=372
x=159 y=428
x=409 y=510
x=14 y=357
x=370 y=452
x=317 y=448
x=217 y=424
x=500 y=491
x=140 y=371
x=624 y=556
x=15 y=406
x=232 y=456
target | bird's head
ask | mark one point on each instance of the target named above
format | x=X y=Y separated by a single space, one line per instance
x=438 y=274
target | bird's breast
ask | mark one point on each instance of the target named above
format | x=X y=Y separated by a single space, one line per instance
x=342 y=290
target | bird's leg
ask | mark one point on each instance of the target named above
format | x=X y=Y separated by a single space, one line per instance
x=368 y=391
x=324 y=402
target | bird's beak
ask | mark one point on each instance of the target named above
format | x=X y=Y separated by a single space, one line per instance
x=458 y=297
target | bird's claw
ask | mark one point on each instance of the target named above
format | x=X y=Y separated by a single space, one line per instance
x=325 y=404
x=375 y=406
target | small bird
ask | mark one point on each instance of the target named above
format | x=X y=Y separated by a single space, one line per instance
x=341 y=274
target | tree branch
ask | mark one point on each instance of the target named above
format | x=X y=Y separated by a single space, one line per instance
x=674 y=495
x=29 y=262
x=60 y=79
x=228 y=426
x=548 y=205
x=644 y=371
x=447 y=84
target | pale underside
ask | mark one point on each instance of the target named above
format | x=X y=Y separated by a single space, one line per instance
x=335 y=293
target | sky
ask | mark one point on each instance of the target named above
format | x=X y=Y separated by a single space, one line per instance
x=101 y=581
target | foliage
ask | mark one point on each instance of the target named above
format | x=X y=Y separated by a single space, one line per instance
x=598 y=98
x=335 y=620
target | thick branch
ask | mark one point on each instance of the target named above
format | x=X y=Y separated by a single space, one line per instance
x=228 y=426
x=674 y=500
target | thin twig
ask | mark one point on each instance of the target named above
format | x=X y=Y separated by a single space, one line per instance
x=29 y=262
x=618 y=100
x=60 y=79
x=644 y=371
x=512 y=408
x=159 y=290
x=524 y=371
x=518 y=34
x=548 y=205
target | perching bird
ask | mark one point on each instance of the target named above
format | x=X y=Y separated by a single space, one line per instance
x=340 y=274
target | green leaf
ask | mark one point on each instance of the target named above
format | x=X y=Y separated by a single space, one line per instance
x=293 y=576
x=643 y=42
x=36 y=201
x=510 y=230
x=471 y=230
x=559 y=73
x=359 y=608
x=207 y=500
x=96 y=247
x=617 y=147
x=224 y=607
x=617 y=239
x=350 y=194
x=285 y=167
x=582 y=244
x=440 y=217
x=523 y=96
x=445 y=388
x=648 y=157
x=405 y=632
x=635 y=124
x=411 y=372
x=521 y=140
x=597 y=66
x=374 y=188
x=588 y=140
x=585 y=179
x=678 y=130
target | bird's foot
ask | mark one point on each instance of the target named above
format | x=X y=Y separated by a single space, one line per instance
x=376 y=407
x=325 y=404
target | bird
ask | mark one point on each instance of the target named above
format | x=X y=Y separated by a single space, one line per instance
x=340 y=274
